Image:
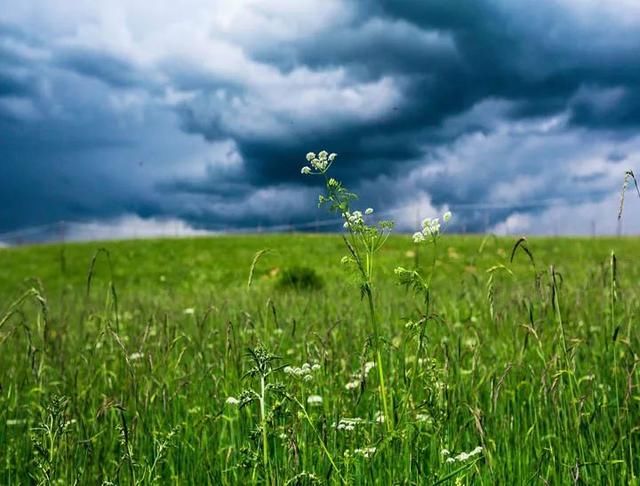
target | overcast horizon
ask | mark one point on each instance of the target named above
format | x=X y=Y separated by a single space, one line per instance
x=133 y=118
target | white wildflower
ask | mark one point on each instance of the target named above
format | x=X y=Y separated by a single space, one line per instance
x=347 y=424
x=233 y=401
x=446 y=217
x=332 y=157
x=431 y=227
x=136 y=356
x=368 y=366
x=306 y=170
x=465 y=456
x=365 y=452
x=379 y=417
x=418 y=237
x=445 y=452
x=310 y=156
x=314 y=400
x=304 y=372
x=323 y=155
x=352 y=385
x=368 y=211
x=189 y=311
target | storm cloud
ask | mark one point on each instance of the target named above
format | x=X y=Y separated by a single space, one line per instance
x=512 y=114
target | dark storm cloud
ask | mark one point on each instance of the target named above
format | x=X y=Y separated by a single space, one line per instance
x=404 y=91
x=100 y=65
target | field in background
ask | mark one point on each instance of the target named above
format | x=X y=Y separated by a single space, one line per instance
x=136 y=378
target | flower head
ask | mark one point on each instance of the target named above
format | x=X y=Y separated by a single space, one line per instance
x=310 y=156
x=368 y=211
x=306 y=170
x=315 y=400
x=446 y=217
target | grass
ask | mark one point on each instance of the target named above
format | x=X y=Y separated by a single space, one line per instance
x=170 y=369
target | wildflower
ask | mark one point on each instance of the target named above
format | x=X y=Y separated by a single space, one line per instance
x=352 y=385
x=345 y=260
x=314 y=400
x=445 y=452
x=431 y=227
x=446 y=217
x=306 y=170
x=323 y=155
x=347 y=424
x=332 y=157
x=368 y=211
x=418 y=237
x=365 y=452
x=233 y=401
x=464 y=456
x=379 y=417
x=310 y=156
x=304 y=372
x=136 y=356
x=189 y=311
x=368 y=366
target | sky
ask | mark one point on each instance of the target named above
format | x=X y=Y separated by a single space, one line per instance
x=131 y=117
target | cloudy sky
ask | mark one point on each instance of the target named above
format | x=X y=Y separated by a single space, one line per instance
x=129 y=116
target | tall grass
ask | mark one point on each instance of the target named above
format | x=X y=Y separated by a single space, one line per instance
x=191 y=377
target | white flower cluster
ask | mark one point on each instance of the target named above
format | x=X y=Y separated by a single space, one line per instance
x=348 y=424
x=356 y=218
x=320 y=163
x=358 y=378
x=314 y=400
x=365 y=452
x=304 y=372
x=463 y=456
x=233 y=401
x=379 y=417
x=430 y=228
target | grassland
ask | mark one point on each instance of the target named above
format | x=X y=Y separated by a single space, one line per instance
x=136 y=378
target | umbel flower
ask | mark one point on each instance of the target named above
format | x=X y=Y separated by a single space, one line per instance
x=320 y=163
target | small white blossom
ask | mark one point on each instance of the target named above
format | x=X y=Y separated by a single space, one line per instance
x=304 y=372
x=306 y=170
x=368 y=211
x=136 y=356
x=465 y=456
x=352 y=385
x=314 y=400
x=379 y=417
x=368 y=366
x=347 y=424
x=418 y=237
x=189 y=311
x=365 y=452
x=332 y=157
x=310 y=156
x=323 y=155
x=431 y=227
x=446 y=217
x=232 y=401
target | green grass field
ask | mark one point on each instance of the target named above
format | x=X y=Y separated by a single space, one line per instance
x=169 y=369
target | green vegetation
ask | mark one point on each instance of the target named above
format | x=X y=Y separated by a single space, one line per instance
x=169 y=368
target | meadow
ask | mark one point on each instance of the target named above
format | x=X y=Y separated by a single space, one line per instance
x=164 y=362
